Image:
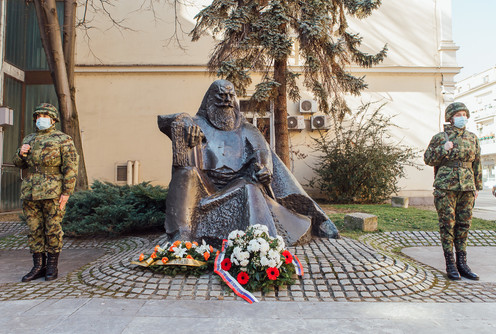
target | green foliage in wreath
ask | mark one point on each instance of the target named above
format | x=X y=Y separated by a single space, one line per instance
x=258 y=261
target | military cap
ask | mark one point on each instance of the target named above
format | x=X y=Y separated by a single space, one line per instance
x=47 y=109
x=453 y=108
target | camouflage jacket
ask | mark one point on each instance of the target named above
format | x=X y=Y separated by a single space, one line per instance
x=466 y=148
x=49 y=148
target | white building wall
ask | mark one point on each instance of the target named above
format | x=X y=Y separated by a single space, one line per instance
x=478 y=92
x=125 y=78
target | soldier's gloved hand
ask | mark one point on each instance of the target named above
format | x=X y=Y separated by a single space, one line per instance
x=193 y=135
x=24 y=150
x=63 y=201
x=448 y=145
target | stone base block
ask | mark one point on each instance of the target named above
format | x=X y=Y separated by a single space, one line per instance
x=399 y=202
x=361 y=221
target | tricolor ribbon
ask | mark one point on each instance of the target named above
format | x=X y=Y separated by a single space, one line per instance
x=229 y=280
x=297 y=265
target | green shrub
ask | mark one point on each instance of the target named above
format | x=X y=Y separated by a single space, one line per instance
x=109 y=209
x=358 y=163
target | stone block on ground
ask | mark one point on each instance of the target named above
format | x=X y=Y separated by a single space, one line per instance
x=361 y=221
x=399 y=202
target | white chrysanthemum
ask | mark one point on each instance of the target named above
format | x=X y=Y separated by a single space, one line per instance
x=245 y=255
x=234 y=259
x=235 y=234
x=273 y=254
x=272 y=263
x=236 y=251
x=264 y=261
x=244 y=263
x=280 y=243
x=262 y=228
x=253 y=246
x=264 y=245
x=240 y=254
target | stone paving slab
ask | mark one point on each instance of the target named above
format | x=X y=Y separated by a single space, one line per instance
x=16 y=263
x=370 y=269
x=481 y=259
x=107 y=315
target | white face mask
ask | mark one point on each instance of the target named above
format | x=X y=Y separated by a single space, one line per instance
x=43 y=123
x=460 y=121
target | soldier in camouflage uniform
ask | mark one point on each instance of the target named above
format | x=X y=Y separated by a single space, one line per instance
x=51 y=161
x=455 y=155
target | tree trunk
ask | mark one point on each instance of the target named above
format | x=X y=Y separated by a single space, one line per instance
x=281 y=111
x=62 y=69
x=72 y=124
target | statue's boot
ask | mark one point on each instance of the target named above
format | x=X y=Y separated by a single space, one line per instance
x=39 y=267
x=52 y=267
x=463 y=268
x=450 y=266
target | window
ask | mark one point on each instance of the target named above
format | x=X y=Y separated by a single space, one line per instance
x=26 y=83
x=261 y=116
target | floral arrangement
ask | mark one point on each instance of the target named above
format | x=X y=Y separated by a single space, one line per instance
x=256 y=260
x=180 y=257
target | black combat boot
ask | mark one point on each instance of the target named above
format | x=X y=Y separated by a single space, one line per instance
x=463 y=268
x=450 y=266
x=51 y=269
x=39 y=267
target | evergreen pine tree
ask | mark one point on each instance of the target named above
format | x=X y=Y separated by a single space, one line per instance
x=258 y=36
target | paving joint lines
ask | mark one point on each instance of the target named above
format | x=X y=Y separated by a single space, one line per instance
x=368 y=269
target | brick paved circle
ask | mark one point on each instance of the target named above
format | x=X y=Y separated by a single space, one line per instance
x=369 y=269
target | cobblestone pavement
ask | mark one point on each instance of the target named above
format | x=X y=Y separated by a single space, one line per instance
x=369 y=269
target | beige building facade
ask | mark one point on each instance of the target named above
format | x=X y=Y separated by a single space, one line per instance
x=478 y=92
x=126 y=77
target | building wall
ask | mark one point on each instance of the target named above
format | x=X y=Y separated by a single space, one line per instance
x=478 y=92
x=126 y=78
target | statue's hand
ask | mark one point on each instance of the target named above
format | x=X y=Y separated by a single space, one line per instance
x=263 y=174
x=194 y=135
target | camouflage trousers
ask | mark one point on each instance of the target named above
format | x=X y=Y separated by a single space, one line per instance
x=454 y=210
x=44 y=220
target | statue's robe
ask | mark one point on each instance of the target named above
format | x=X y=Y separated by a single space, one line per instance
x=214 y=189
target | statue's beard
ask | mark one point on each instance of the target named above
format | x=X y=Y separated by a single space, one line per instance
x=222 y=118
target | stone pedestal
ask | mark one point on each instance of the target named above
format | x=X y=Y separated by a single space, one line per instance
x=399 y=202
x=360 y=221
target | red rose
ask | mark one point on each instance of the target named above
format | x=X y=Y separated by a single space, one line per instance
x=226 y=264
x=287 y=255
x=272 y=273
x=243 y=278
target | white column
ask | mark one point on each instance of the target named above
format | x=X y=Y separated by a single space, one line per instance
x=447 y=49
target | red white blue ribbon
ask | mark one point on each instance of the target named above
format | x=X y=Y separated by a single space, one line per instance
x=229 y=280
x=298 y=266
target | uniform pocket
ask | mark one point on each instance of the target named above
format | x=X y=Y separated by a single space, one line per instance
x=438 y=193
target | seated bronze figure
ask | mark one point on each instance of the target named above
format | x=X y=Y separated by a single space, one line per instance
x=226 y=177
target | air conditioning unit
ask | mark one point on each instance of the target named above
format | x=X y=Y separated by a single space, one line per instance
x=308 y=106
x=320 y=122
x=296 y=122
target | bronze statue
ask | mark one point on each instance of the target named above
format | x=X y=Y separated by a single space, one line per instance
x=226 y=177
